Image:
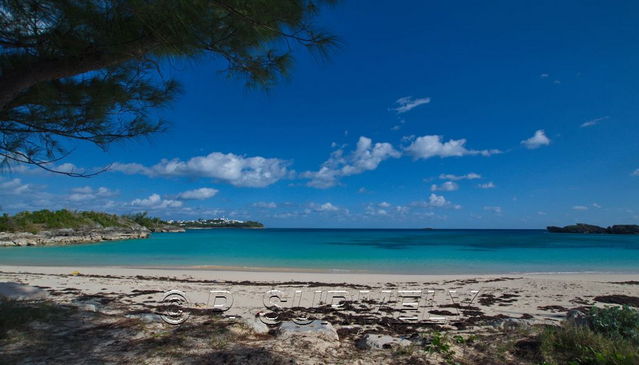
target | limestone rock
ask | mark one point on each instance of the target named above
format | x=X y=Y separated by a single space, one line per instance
x=510 y=323
x=70 y=236
x=381 y=342
x=577 y=317
x=315 y=328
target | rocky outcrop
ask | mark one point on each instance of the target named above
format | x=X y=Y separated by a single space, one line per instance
x=72 y=236
x=316 y=328
x=589 y=228
x=624 y=229
x=168 y=228
x=381 y=342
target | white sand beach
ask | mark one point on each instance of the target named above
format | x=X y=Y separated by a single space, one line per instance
x=457 y=303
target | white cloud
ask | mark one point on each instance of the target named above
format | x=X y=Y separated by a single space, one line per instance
x=197 y=194
x=596 y=205
x=436 y=201
x=447 y=186
x=408 y=103
x=488 y=185
x=14 y=187
x=69 y=168
x=431 y=146
x=326 y=207
x=87 y=193
x=233 y=169
x=470 y=176
x=385 y=209
x=83 y=190
x=537 y=140
x=635 y=173
x=367 y=156
x=592 y=122
x=268 y=205
x=544 y=76
x=154 y=201
x=375 y=211
x=580 y=207
x=494 y=209
x=76 y=197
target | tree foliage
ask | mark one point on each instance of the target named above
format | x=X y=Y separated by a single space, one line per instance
x=46 y=219
x=88 y=70
x=39 y=220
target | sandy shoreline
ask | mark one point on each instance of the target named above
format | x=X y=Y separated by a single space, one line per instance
x=527 y=293
x=288 y=274
x=465 y=304
x=324 y=274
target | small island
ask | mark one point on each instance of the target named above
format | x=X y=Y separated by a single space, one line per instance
x=592 y=229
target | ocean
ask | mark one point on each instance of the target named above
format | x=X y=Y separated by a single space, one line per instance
x=402 y=251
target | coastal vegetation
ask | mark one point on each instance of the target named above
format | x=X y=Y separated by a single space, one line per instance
x=608 y=336
x=63 y=227
x=41 y=220
x=152 y=223
x=44 y=220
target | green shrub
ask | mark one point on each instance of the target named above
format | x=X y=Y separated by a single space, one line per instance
x=616 y=322
x=144 y=220
x=574 y=345
x=102 y=219
x=45 y=219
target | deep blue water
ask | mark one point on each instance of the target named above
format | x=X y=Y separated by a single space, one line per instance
x=396 y=251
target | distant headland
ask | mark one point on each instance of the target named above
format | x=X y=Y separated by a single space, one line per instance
x=65 y=227
x=215 y=223
x=592 y=229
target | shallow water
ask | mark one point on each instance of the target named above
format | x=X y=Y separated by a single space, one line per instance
x=392 y=251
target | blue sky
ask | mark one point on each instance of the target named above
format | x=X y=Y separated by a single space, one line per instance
x=430 y=114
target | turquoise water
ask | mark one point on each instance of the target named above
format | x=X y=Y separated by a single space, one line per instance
x=393 y=251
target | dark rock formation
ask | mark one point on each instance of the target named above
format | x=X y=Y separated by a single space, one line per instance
x=624 y=229
x=577 y=228
x=589 y=228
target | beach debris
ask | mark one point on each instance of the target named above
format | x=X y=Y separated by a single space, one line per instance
x=373 y=341
x=316 y=328
x=18 y=291
x=618 y=299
